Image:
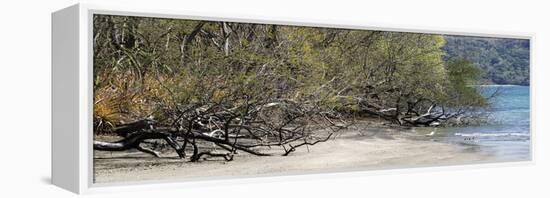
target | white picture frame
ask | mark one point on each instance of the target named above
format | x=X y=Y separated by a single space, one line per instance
x=72 y=64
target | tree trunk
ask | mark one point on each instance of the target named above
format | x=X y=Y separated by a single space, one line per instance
x=135 y=139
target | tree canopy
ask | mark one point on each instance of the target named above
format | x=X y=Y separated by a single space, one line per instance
x=276 y=83
x=503 y=61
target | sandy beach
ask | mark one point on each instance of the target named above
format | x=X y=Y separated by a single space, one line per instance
x=358 y=148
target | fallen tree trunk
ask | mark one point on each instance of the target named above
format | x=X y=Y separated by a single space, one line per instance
x=260 y=126
x=134 y=140
x=125 y=129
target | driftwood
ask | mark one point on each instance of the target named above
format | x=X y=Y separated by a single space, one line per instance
x=252 y=127
x=124 y=129
x=305 y=143
x=135 y=140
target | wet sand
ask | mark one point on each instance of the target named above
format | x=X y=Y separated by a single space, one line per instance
x=358 y=148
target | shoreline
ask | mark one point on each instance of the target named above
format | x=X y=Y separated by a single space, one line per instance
x=363 y=147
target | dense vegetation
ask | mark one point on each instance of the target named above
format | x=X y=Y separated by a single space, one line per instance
x=503 y=61
x=246 y=86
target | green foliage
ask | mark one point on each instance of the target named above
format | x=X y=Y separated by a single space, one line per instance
x=503 y=61
x=463 y=75
x=144 y=66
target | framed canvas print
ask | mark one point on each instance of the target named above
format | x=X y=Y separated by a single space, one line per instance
x=141 y=96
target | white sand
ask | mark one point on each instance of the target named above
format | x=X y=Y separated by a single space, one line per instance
x=370 y=149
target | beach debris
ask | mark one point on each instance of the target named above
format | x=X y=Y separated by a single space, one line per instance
x=432 y=133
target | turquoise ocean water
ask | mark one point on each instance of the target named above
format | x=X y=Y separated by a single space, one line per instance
x=506 y=134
